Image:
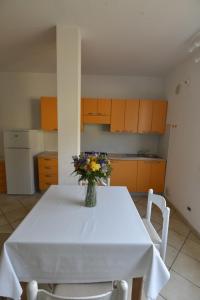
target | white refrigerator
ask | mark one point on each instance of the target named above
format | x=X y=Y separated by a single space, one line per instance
x=20 y=148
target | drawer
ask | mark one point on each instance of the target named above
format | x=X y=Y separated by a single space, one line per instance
x=48 y=178
x=47 y=162
x=48 y=170
x=44 y=184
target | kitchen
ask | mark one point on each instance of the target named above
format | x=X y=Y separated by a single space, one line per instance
x=98 y=137
x=150 y=70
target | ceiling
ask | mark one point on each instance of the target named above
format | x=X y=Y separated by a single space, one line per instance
x=119 y=37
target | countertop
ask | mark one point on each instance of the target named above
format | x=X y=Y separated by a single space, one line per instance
x=114 y=156
x=123 y=156
x=48 y=153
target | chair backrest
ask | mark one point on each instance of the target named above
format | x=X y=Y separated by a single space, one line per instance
x=160 y=202
x=119 y=292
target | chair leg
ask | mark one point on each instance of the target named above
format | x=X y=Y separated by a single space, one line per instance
x=137 y=288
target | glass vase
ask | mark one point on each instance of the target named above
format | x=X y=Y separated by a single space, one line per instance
x=90 y=199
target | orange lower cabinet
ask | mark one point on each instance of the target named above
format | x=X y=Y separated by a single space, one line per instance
x=47 y=170
x=3 y=187
x=151 y=175
x=124 y=173
x=143 y=176
x=157 y=178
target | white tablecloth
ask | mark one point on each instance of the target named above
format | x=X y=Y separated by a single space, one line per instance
x=62 y=241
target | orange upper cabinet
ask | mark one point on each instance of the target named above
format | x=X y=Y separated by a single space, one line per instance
x=124 y=115
x=145 y=116
x=117 y=115
x=96 y=111
x=152 y=116
x=131 y=116
x=48 y=107
x=159 y=116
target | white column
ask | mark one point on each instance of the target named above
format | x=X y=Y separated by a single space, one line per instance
x=68 y=94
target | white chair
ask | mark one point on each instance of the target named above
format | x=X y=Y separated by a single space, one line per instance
x=160 y=243
x=92 y=291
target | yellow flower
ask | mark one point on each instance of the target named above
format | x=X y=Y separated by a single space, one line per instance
x=94 y=166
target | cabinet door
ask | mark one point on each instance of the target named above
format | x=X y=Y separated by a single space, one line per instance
x=145 y=116
x=131 y=115
x=124 y=173
x=157 y=177
x=90 y=106
x=117 y=115
x=159 y=116
x=104 y=107
x=143 y=176
x=49 y=113
x=2 y=177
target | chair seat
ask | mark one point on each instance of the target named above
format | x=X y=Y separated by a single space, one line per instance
x=82 y=289
x=152 y=233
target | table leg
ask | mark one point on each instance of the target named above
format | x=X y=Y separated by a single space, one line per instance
x=137 y=288
x=23 y=285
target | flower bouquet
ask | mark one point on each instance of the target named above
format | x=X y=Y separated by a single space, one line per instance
x=91 y=168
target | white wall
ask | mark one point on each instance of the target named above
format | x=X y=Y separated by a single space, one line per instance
x=98 y=138
x=122 y=86
x=183 y=167
x=19 y=102
x=19 y=107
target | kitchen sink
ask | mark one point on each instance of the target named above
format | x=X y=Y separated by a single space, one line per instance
x=147 y=155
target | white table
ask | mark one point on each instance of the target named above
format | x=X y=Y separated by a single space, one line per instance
x=62 y=241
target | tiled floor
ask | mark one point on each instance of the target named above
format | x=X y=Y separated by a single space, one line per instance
x=183 y=252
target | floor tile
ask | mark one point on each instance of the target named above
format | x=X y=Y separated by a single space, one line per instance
x=3 y=220
x=179 y=288
x=170 y=255
x=177 y=224
x=139 y=198
x=141 y=210
x=156 y=216
x=6 y=228
x=194 y=237
x=175 y=240
x=156 y=225
x=187 y=267
x=15 y=215
x=16 y=223
x=30 y=201
x=4 y=237
x=192 y=249
x=10 y=205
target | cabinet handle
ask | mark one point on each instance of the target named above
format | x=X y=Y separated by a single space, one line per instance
x=92 y=114
x=47 y=159
x=47 y=168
